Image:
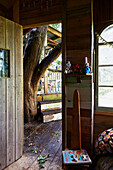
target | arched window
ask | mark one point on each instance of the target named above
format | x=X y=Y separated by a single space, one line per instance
x=104 y=69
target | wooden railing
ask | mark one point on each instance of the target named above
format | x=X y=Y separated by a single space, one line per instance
x=51 y=82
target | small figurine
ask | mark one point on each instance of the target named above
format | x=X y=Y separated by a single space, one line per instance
x=86 y=68
x=68 y=67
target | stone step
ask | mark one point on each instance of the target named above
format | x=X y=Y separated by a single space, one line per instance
x=51 y=115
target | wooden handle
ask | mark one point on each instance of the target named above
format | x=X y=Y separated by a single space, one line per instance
x=76 y=122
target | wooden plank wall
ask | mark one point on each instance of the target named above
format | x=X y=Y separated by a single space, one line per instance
x=78 y=31
x=11 y=95
x=103 y=16
x=85 y=91
x=40 y=14
x=18 y=41
x=78 y=46
x=3 y=98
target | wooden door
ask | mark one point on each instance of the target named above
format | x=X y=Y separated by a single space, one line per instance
x=11 y=95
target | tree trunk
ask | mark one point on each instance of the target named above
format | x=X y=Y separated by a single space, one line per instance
x=33 y=70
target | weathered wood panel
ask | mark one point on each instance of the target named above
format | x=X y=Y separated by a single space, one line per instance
x=19 y=88
x=10 y=95
x=46 y=142
x=3 y=106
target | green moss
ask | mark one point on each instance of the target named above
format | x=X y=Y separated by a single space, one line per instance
x=52 y=97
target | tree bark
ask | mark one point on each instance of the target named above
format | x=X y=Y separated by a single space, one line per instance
x=33 y=70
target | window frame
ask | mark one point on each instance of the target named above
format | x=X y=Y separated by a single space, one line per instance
x=100 y=108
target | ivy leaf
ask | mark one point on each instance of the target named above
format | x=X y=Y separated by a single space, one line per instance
x=41 y=166
x=57 y=134
x=42 y=157
x=42 y=161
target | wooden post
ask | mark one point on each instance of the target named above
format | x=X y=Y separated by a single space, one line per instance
x=93 y=68
x=64 y=108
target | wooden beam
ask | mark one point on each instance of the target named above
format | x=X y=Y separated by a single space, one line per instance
x=52 y=41
x=50 y=46
x=39 y=21
x=16 y=11
x=55 y=32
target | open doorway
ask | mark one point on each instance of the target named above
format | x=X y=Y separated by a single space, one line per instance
x=43 y=137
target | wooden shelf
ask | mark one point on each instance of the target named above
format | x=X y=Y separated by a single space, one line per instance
x=78 y=74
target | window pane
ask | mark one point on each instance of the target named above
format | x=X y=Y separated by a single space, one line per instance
x=105 y=97
x=105 y=76
x=107 y=34
x=4 y=63
x=105 y=53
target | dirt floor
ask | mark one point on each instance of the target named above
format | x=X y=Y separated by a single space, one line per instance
x=41 y=139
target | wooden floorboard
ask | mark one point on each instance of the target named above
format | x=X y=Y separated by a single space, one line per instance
x=56 y=163
x=44 y=137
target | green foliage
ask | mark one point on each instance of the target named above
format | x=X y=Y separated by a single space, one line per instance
x=35 y=150
x=41 y=166
x=42 y=159
x=57 y=63
x=57 y=134
x=52 y=97
x=57 y=26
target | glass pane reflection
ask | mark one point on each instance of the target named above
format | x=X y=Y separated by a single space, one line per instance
x=105 y=76
x=105 y=97
x=105 y=55
x=4 y=63
x=107 y=34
